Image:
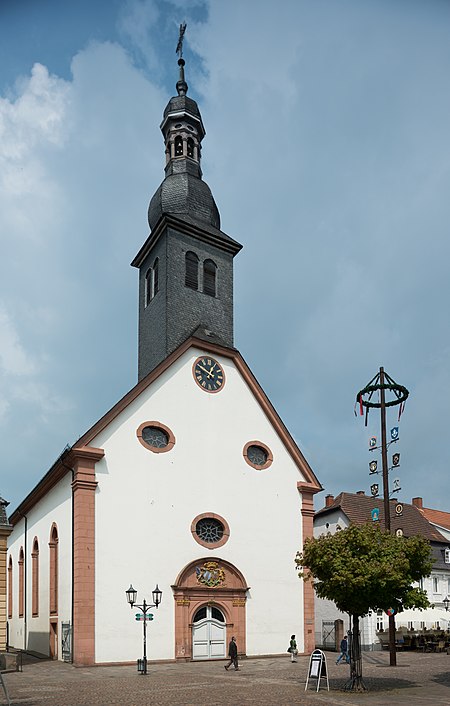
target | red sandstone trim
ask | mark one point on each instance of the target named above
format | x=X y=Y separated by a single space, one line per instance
x=308 y=589
x=84 y=486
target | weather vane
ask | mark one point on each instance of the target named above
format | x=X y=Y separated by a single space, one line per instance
x=179 y=49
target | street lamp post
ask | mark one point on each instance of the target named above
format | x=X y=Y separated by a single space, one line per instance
x=131 y=595
x=446 y=602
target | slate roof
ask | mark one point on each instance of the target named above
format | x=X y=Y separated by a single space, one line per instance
x=184 y=195
x=357 y=507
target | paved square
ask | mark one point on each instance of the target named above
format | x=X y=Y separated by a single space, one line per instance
x=418 y=679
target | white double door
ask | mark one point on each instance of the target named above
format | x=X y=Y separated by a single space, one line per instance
x=209 y=638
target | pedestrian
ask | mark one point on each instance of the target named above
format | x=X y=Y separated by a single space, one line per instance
x=293 y=648
x=233 y=655
x=344 y=650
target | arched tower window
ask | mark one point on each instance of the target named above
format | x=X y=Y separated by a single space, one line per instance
x=178 y=146
x=35 y=578
x=21 y=585
x=53 y=545
x=191 y=275
x=10 y=587
x=151 y=282
x=209 y=278
x=190 y=147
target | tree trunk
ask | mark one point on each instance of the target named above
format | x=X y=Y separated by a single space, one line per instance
x=355 y=683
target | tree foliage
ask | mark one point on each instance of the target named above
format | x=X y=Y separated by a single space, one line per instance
x=364 y=568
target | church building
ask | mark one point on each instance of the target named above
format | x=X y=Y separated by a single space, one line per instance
x=191 y=481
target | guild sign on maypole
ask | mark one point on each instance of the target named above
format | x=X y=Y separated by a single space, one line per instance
x=385 y=386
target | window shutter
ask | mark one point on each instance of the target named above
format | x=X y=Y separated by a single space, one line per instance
x=209 y=278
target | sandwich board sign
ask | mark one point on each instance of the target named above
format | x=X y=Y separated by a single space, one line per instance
x=317 y=669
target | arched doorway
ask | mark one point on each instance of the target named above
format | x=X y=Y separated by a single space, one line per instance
x=210 y=598
x=208 y=633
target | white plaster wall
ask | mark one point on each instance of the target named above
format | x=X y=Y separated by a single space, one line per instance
x=54 y=507
x=145 y=504
x=330 y=522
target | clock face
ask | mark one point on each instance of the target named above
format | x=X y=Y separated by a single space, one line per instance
x=208 y=374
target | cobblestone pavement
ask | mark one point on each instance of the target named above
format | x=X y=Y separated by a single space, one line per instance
x=418 y=679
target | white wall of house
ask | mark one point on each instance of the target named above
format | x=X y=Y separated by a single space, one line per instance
x=331 y=523
x=32 y=632
x=146 y=502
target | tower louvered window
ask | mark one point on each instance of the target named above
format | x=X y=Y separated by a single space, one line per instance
x=190 y=147
x=191 y=275
x=209 y=278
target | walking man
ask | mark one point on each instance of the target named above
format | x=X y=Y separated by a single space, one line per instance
x=344 y=650
x=233 y=655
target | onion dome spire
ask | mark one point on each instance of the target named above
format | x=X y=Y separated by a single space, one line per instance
x=183 y=191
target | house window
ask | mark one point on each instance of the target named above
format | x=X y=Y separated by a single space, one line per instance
x=447 y=556
x=35 y=578
x=21 y=576
x=152 y=282
x=435 y=584
x=10 y=588
x=178 y=146
x=53 y=545
x=209 y=278
x=379 y=620
x=191 y=275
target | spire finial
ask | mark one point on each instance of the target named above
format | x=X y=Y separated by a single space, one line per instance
x=182 y=86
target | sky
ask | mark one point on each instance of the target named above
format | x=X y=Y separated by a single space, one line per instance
x=328 y=154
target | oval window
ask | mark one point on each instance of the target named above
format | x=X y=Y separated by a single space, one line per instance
x=156 y=437
x=257 y=455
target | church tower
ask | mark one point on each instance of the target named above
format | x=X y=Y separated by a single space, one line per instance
x=186 y=264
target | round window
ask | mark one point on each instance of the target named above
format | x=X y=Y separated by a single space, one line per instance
x=257 y=455
x=155 y=437
x=209 y=530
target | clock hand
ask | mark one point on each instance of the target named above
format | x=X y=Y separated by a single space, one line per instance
x=205 y=371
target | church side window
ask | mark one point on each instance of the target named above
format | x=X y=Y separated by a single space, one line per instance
x=152 y=282
x=190 y=147
x=209 y=278
x=21 y=585
x=156 y=437
x=10 y=588
x=35 y=578
x=53 y=545
x=191 y=275
x=178 y=146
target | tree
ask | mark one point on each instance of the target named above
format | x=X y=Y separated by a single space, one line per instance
x=364 y=568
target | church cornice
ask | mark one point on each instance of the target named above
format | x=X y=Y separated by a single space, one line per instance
x=188 y=226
